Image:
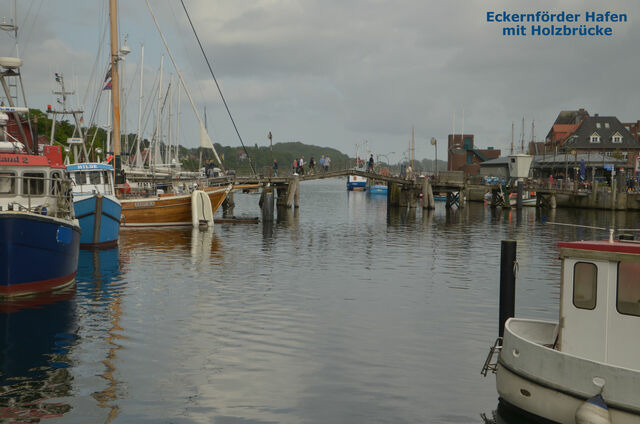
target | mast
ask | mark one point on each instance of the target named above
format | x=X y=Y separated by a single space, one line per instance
x=522 y=137
x=512 y=130
x=139 y=163
x=115 y=91
x=205 y=140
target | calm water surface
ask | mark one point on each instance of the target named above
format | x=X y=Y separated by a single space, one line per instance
x=336 y=313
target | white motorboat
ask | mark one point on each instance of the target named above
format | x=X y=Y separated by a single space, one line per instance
x=586 y=365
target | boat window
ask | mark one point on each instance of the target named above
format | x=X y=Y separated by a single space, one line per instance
x=94 y=177
x=79 y=177
x=585 y=276
x=7 y=183
x=628 y=301
x=33 y=183
x=56 y=183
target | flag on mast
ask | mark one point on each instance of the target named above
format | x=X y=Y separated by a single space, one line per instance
x=107 y=80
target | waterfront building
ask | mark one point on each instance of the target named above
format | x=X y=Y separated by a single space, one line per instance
x=464 y=156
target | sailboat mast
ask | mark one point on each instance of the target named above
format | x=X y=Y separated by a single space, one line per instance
x=139 y=163
x=115 y=89
x=512 y=131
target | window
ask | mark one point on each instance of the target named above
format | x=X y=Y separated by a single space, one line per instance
x=79 y=177
x=595 y=138
x=617 y=138
x=597 y=124
x=56 y=183
x=628 y=301
x=585 y=276
x=94 y=177
x=7 y=183
x=33 y=183
x=606 y=125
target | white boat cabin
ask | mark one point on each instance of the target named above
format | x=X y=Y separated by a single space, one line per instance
x=600 y=302
x=91 y=178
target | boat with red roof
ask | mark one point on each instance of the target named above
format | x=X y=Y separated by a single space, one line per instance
x=39 y=234
x=586 y=366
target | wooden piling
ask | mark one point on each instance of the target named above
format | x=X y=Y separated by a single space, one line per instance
x=507 y=283
x=266 y=203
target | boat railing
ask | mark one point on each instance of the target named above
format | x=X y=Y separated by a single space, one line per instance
x=42 y=195
x=491 y=364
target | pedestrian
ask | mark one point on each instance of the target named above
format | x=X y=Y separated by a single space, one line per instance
x=321 y=161
x=294 y=167
x=275 y=168
x=327 y=163
x=312 y=166
x=301 y=165
x=370 y=167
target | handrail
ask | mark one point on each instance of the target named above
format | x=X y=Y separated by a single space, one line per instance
x=59 y=190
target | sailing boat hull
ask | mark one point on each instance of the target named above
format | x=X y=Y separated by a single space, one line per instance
x=172 y=210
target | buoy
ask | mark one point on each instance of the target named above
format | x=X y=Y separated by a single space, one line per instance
x=593 y=411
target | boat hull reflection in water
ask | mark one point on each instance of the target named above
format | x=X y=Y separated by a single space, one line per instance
x=37 y=334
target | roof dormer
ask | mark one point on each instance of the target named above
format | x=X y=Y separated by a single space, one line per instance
x=616 y=138
x=594 y=138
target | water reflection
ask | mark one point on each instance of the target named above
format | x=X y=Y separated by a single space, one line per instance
x=36 y=335
x=100 y=295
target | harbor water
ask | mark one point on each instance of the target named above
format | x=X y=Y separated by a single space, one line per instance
x=337 y=312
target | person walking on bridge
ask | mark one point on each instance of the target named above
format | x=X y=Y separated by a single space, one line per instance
x=370 y=167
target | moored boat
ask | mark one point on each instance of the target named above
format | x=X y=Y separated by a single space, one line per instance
x=356 y=183
x=95 y=204
x=39 y=236
x=586 y=365
x=167 y=209
x=528 y=198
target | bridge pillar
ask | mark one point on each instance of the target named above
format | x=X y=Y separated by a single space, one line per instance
x=404 y=197
x=393 y=194
x=291 y=196
x=412 y=197
x=228 y=204
x=552 y=202
x=464 y=194
x=427 y=201
x=266 y=203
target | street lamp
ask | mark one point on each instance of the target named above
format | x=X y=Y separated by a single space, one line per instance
x=434 y=143
x=270 y=137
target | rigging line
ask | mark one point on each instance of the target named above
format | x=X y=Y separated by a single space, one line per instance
x=188 y=53
x=218 y=86
x=579 y=226
x=30 y=26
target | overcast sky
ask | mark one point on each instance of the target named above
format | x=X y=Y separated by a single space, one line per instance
x=337 y=73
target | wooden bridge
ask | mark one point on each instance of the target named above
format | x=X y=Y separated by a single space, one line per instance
x=401 y=192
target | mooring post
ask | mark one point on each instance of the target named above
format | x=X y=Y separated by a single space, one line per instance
x=519 y=194
x=228 y=203
x=507 y=283
x=292 y=192
x=296 y=196
x=266 y=202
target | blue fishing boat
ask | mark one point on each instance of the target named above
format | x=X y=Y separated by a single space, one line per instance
x=356 y=183
x=39 y=236
x=95 y=204
x=377 y=189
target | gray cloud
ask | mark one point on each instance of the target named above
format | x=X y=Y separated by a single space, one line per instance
x=335 y=73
